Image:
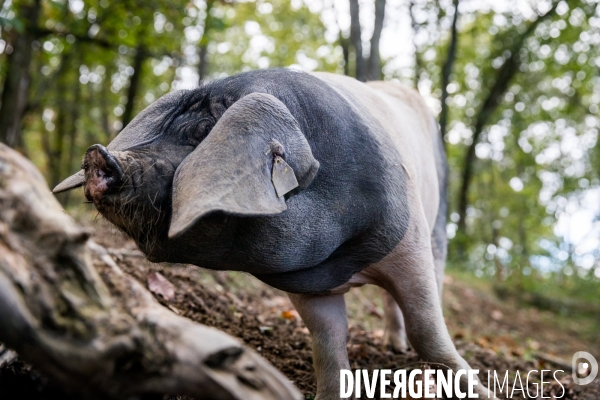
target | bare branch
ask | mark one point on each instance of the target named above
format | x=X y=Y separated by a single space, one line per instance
x=41 y=32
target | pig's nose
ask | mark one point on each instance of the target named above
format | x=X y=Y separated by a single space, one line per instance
x=103 y=174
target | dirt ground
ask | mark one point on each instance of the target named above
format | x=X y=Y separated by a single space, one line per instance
x=489 y=333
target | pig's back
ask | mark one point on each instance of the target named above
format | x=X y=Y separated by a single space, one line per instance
x=407 y=121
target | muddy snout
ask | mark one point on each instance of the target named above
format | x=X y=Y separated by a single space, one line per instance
x=103 y=174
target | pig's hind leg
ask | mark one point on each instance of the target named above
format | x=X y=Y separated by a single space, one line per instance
x=325 y=318
x=410 y=276
x=395 y=328
x=395 y=331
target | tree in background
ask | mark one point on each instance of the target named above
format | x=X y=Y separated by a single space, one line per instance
x=516 y=91
x=76 y=73
x=366 y=69
x=16 y=84
x=521 y=107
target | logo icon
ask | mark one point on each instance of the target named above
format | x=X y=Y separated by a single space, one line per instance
x=583 y=366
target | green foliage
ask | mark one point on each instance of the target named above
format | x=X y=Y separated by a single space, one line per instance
x=538 y=152
x=284 y=34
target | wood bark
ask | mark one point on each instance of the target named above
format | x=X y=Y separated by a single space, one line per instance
x=501 y=82
x=16 y=84
x=67 y=308
x=374 y=62
x=447 y=70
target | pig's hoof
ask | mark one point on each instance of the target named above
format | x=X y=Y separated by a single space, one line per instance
x=396 y=341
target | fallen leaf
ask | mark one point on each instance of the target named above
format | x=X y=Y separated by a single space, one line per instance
x=482 y=342
x=357 y=351
x=289 y=315
x=459 y=334
x=159 y=285
x=517 y=352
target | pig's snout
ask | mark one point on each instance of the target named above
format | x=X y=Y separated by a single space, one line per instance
x=103 y=175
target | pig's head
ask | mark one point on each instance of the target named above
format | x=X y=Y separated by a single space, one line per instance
x=132 y=189
x=183 y=158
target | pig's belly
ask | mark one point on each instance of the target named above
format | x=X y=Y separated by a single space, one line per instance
x=290 y=262
x=293 y=269
x=344 y=266
x=322 y=278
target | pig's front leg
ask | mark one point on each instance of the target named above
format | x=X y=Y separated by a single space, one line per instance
x=325 y=318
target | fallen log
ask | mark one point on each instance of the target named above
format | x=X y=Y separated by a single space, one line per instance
x=69 y=310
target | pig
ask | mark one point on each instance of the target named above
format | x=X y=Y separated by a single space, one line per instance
x=312 y=182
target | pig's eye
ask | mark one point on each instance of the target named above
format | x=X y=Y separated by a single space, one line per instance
x=192 y=128
x=204 y=127
x=197 y=130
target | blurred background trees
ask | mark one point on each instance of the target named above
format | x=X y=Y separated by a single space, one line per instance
x=515 y=85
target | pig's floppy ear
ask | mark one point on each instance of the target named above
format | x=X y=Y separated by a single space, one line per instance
x=253 y=156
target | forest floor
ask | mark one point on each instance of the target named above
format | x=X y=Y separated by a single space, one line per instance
x=491 y=334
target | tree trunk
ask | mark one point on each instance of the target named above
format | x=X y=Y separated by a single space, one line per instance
x=134 y=84
x=503 y=78
x=72 y=135
x=16 y=84
x=57 y=141
x=203 y=63
x=105 y=105
x=447 y=70
x=356 y=41
x=346 y=53
x=374 y=71
x=66 y=307
x=415 y=28
x=203 y=45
